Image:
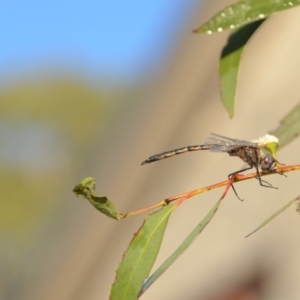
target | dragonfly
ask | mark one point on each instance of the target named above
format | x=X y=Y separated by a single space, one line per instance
x=250 y=152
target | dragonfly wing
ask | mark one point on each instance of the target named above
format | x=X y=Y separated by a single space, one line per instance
x=219 y=143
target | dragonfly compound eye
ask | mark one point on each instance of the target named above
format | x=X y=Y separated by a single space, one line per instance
x=267 y=162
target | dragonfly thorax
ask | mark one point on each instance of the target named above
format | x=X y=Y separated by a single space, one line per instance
x=249 y=154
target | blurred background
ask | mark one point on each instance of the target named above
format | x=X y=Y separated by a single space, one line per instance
x=92 y=89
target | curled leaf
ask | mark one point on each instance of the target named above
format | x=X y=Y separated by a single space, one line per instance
x=86 y=189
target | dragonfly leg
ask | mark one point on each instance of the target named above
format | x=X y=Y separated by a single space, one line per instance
x=234 y=173
x=236 y=193
x=280 y=173
x=263 y=182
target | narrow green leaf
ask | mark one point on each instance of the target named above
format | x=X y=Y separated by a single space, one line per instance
x=244 y=12
x=185 y=244
x=140 y=256
x=230 y=62
x=289 y=127
x=86 y=189
x=272 y=217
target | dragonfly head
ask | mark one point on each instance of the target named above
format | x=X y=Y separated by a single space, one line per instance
x=268 y=163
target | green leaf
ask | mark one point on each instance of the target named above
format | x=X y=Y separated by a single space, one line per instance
x=289 y=128
x=140 y=256
x=185 y=244
x=244 y=12
x=86 y=189
x=230 y=62
x=273 y=216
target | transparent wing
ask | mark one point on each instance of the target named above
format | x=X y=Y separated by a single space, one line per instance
x=219 y=143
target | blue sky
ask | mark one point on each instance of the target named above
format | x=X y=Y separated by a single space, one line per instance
x=118 y=38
